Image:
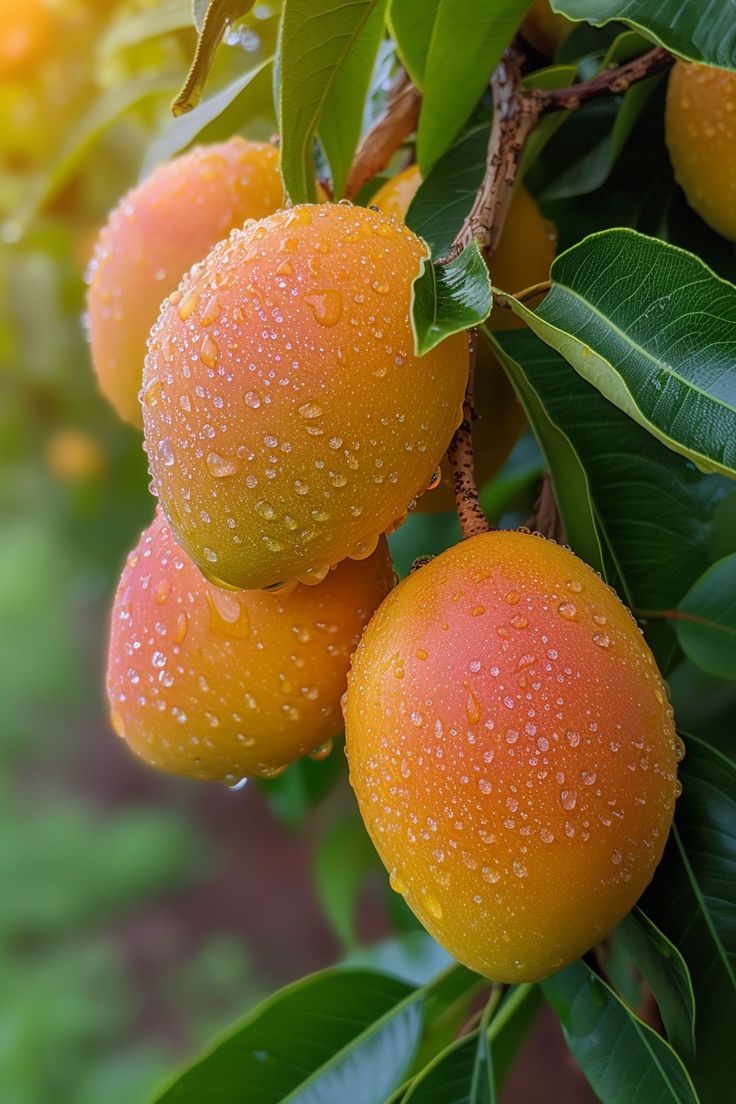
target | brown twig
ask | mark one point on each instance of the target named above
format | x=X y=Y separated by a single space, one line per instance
x=460 y=458
x=609 y=82
x=386 y=135
x=545 y=518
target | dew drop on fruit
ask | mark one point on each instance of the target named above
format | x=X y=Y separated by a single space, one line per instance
x=181 y=627
x=227 y=614
x=221 y=466
x=326 y=306
x=601 y=639
x=397 y=884
x=252 y=399
x=567 y=610
x=163 y=591
x=239 y=784
x=432 y=905
x=679 y=749
x=322 y=751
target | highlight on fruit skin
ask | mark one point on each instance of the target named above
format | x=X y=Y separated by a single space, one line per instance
x=523 y=258
x=155 y=234
x=700 y=130
x=222 y=685
x=288 y=422
x=513 y=752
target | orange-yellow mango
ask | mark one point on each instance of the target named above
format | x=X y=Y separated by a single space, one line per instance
x=524 y=255
x=154 y=235
x=221 y=684
x=700 y=128
x=513 y=752
x=288 y=422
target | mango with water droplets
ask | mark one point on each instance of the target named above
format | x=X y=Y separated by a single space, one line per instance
x=517 y=769
x=523 y=258
x=308 y=425
x=154 y=235
x=220 y=684
x=700 y=129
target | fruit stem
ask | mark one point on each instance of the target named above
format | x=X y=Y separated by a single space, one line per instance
x=460 y=458
x=386 y=135
x=545 y=518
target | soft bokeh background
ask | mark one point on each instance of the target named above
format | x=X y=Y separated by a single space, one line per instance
x=140 y=914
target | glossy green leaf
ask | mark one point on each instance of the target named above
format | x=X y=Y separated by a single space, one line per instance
x=340 y=122
x=466 y=44
x=247 y=94
x=412 y=23
x=344 y=857
x=706 y=620
x=461 y=1074
x=219 y=16
x=317 y=39
x=624 y=1060
x=340 y=1031
x=702 y=31
x=692 y=899
x=654 y=329
x=665 y=972
x=447 y=299
x=635 y=510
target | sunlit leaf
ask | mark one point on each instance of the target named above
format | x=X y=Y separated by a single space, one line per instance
x=218 y=18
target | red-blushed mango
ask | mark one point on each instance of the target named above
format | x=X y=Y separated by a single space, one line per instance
x=154 y=235
x=545 y=29
x=288 y=422
x=220 y=684
x=26 y=37
x=513 y=752
x=523 y=257
x=700 y=128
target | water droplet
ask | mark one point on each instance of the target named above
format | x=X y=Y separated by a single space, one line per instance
x=567 y=610
x=264 y=509
x=322 y=751
x=326 y=306
x=616 y=858
x=472 y=708
x=574 y=586
x=397 y=883
x=188 y=306
x=512 y=598
x=166 y=452
x=181 y=627
x=679 y=749
x=221 y=466
x=163 y=591
x=568 y=798
x=601 y=639
x=252 y=399
x=310 y=410
x=519 y=869
x=485 y=786
x=227 y=613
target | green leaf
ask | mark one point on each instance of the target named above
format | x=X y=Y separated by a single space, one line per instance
x=624 y=1060
x=292 y=794
x=654 y=329
x=693 y=900
x=171 y=15
x=318 y=39
x=466 y=44
x=447 y=299
x=248 y=93
x=706 y=621
x=310 y=1040
x=665 y=971
x=344 y=856
x=461 y=1074
x=633 y=509
x=703 y=31
x=412 y=23
x=219 y=16
x=340 y=123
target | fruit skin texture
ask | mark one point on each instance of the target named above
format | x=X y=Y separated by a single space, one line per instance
x=218 y=684
x=700 y=129
x=154 y=235
x=523 y=258
x=512 y=751
x=287 y=421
